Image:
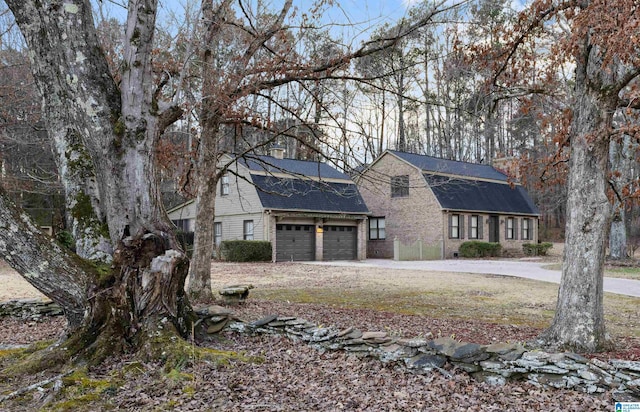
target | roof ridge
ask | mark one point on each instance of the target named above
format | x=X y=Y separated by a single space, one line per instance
x=442 y=158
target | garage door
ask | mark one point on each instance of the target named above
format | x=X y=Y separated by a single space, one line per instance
x=295 y=242
x=340 y=243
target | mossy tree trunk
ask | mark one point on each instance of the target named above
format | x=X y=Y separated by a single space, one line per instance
x=116 y=129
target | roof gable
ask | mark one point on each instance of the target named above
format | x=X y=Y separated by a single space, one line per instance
x=451 y=167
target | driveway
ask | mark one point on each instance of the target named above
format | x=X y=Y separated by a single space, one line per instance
x=517 y=268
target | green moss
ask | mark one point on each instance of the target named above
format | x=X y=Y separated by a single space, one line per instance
x=189 y=390
x=176 y=353
x=81 y=392
x=119 y=128
x=82 y=210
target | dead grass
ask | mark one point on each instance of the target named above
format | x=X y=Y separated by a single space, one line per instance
x=487 y=298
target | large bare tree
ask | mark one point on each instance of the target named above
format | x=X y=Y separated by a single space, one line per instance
x=108 y=132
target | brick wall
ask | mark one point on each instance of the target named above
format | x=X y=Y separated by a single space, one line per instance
x=417 y=216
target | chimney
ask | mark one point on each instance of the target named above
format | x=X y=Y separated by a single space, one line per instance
x=277 y=151
x=507 y=165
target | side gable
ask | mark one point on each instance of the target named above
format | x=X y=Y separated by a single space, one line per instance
x=299 y=185
x=481 y=196
x=436 y=165
x=308 y=195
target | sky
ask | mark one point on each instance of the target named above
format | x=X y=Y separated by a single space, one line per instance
x=358 y=15
x=343 y=11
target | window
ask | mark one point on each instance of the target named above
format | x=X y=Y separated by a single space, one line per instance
x=217 y=233
x=526 y=229
x=224 y=185
x=182 y=225
x=454 y=226
x=510 y=233
x=474 y=228
x=377 y=228
x=400 y=186
x=248 y=230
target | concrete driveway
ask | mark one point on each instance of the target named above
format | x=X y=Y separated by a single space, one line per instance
x=517 y=268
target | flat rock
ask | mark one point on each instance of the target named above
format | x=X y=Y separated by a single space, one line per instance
x=469 y=352
x=264 y=321
x=426 y=362
x=625 y=364
x=502 y=348
x=373 y=335
x=217 y=327
x=444 y=346
x=214 y=310
x=412 y=343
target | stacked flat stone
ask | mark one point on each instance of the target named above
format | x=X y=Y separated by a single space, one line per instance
x=494 y=364
x=32 y=309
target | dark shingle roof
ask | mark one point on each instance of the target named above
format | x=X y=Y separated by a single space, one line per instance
x=437 y=165
x=309 y=195
x=481 y=196
x=271 y=164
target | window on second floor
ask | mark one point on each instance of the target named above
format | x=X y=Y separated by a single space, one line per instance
x=377 y=228
x=400 y=186
x=248 y=230
x=224 y=185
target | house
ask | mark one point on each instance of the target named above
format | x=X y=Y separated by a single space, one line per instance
x=444 y=203
x=306 y=209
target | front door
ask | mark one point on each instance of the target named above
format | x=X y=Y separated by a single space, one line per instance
x=494 y=228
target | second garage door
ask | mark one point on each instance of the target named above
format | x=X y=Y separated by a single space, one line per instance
x=295 y=242
x=340 y=243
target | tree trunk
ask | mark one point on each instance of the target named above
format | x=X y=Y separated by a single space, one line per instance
x=621 y=163
x=579 y=319
x=207 y=175
x=142 y=296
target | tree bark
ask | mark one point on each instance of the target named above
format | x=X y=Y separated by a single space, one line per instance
x=116 y=131
x=578 y=323
x=620 y=162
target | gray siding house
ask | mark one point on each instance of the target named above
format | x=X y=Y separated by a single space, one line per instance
x=442 y=202
x=307 y=210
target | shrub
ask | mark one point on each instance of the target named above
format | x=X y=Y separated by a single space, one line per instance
x=246 y=250
x=536 y=249
x=474 y=249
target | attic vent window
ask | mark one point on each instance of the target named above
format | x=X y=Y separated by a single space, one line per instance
x=400 y=186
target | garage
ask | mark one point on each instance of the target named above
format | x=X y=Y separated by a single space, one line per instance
x=340 y=243
x=295 y=242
